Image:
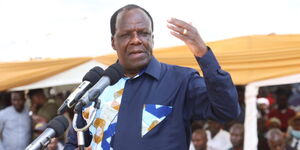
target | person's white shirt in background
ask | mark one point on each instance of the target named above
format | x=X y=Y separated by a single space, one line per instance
x=221 y=141
x=192 y=147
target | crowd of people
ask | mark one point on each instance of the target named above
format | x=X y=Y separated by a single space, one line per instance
x=278 y=123
x=22 y=120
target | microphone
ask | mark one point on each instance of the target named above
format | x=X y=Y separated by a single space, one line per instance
x=89 y=79
x=110 y=76
x=55 y=128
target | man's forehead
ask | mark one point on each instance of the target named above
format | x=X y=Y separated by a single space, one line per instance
x=19 y=94
x=133 y=12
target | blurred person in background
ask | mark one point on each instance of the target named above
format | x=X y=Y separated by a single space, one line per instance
x=294 y=137
x=41 y=107
x=263 y=105
x=15 y=124
x=237 y=136
x=267 y=92
x=282 y=110
x=199 y=139
x=273 y=123
x=294 y=99
x=218 y=139
x=277 y=140
x=42 y=110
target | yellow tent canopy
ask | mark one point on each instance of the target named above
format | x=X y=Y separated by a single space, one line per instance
x=16 y=74
x=248 y=59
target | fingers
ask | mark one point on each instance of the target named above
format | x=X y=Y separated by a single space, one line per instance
x=179 y=30
x=188 y=34
x=178 y=35
x=181 y=27
x=179 y=23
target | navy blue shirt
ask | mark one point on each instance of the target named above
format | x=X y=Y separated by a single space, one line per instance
x=191 y=97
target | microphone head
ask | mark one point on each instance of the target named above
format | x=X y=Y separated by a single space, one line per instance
x=115 y=72
x=59 y=124
x=93 y=75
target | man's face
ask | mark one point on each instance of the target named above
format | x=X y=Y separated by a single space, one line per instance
x=199 y=140
x=236 y=137
x=38 y=99
x=276 y=142
x=282 y=101
x=213 y=126
x=18 y=101
x=133 y=39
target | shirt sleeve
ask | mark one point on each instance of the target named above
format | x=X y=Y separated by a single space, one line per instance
x=215 y=96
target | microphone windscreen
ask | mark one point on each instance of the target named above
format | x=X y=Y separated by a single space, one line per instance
x=93 y=75
x=115 y=72
x=59 y=124
x=97 y=70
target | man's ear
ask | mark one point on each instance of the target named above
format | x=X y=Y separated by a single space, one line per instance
x=113 y=43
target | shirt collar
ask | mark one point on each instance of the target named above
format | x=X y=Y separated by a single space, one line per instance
x=153 y=68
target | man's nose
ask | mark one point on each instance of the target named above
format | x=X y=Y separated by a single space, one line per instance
x=135 y=38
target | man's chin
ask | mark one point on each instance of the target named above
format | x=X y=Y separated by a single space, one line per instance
x=19 y=109
x=142 y=63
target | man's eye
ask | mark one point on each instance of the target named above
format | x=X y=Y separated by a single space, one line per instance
x=144 y=33
x=124 y=35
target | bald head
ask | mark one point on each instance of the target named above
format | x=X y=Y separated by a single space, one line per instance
x=276 y=139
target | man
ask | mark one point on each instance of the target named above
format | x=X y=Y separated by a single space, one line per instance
x=294 y=140
x=15 y=124
x=153 y=106
x=282 y=112
x=42 y=110
x=276 y=140
x=199 y=139
x=218 y=139
x=237 y=136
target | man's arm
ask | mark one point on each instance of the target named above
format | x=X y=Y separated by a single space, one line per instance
x=189 y=35
x=215 y=97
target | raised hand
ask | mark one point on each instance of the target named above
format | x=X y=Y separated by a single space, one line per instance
x=189 y=35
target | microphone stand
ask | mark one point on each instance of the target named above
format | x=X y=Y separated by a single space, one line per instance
x=80 y=131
